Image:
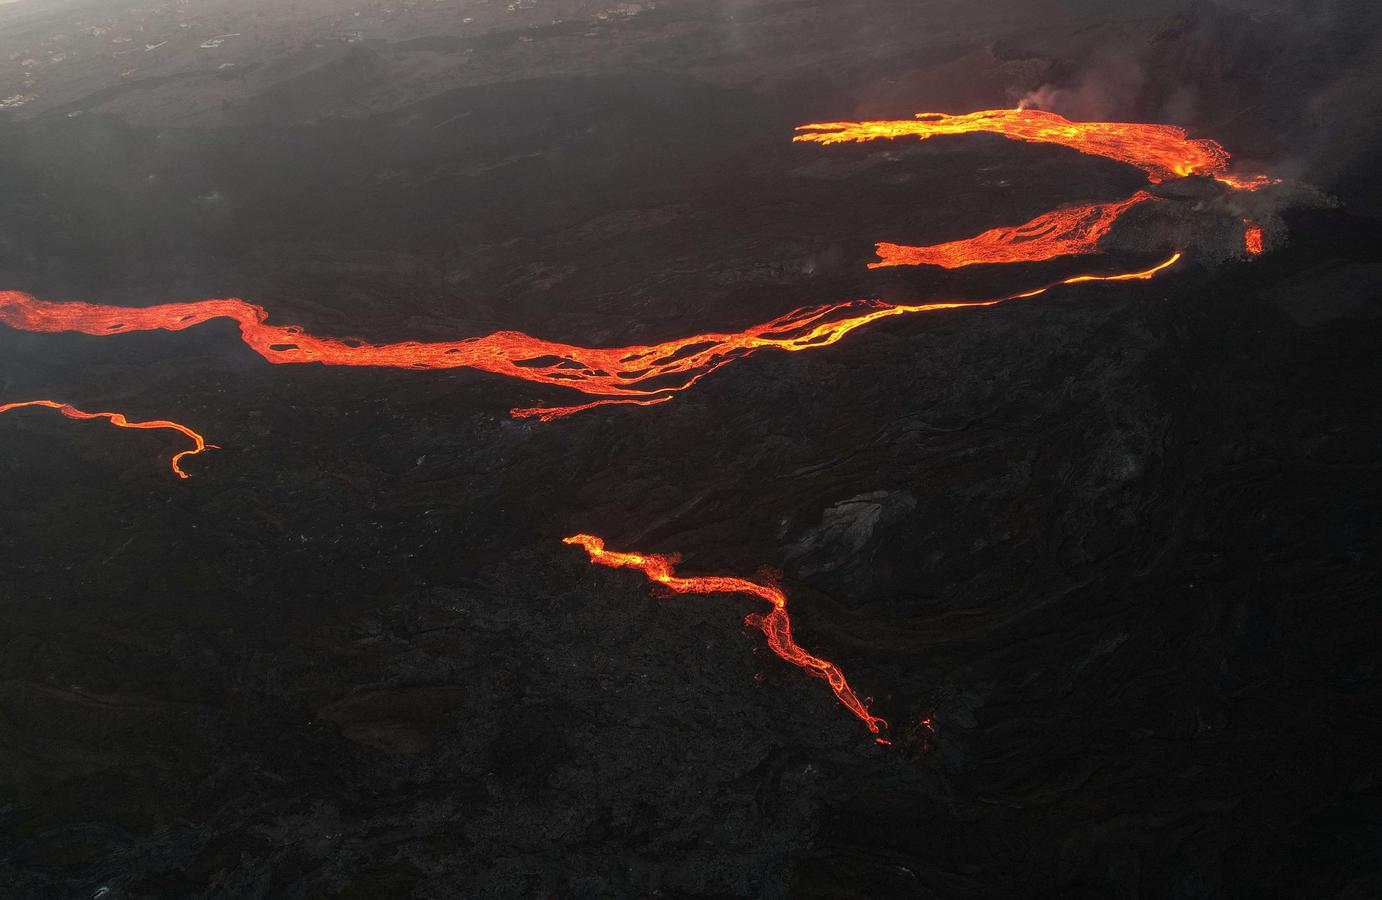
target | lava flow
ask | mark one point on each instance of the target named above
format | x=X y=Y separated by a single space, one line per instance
x=119 y=420
x=643 y=374
x=1064 y=232
x=775 y=625
x=1162 y=151
x=1252 y=237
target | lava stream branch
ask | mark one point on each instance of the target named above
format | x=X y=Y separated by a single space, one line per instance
x=118 y=419
x=775 y=624
x=1162 y=151
x=642 y=374
x=1063 y=232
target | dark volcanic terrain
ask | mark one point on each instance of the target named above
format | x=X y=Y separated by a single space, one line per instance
x=1119 y=545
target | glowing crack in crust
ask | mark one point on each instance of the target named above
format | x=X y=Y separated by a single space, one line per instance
x=119 y=420
x=644 y=375
x=775 y=624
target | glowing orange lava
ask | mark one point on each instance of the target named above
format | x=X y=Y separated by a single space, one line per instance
x=1162 y=151
x=643 y=374
x=1252 y=237
x=119 y=420
x=776 y=625
x=646 y=375
x=1064 y=232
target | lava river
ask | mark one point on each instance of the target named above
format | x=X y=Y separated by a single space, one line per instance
x=654 y=373
x=644 y=374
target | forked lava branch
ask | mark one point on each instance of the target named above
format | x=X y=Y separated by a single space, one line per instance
x=776 y=625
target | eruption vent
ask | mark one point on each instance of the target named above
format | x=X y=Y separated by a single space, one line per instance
x=775 y=624
x=1252 y=238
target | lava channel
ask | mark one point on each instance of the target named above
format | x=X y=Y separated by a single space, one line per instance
x=775 y=625
x=1162 y=151
x=1063 y=232
x=642 y=374
x=118 y=419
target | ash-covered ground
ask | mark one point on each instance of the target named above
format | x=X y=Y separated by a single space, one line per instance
x=1119 y=545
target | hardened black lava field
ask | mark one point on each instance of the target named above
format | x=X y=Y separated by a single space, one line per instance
x=1052 y=451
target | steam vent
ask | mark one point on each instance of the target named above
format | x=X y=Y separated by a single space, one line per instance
x=693 y=449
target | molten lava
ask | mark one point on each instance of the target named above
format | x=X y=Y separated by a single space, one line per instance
x=1252 y=237
x=1162 y=151
x=646 y=375
x=775 y=625
x=1064 y=232
x=118 y=419
x=643 y=374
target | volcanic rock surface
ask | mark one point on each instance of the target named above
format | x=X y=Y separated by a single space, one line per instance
x=1107 y=560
